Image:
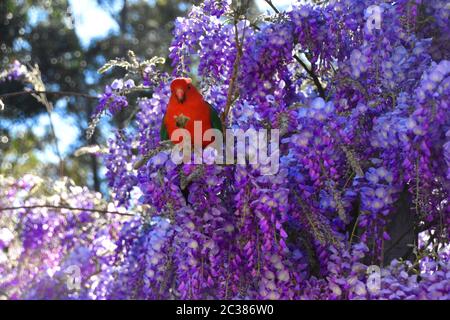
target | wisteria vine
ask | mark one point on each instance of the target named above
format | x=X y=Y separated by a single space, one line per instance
x=360 y=93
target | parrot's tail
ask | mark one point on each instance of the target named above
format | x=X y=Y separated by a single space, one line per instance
x=185 y=193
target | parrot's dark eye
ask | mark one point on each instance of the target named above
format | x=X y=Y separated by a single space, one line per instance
x=189 y=86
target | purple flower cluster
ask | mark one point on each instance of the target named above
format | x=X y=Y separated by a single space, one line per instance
x=15 y=71
x=446 y=149
x=265 y=69
x=112 y=99
x=206 y=34
x=216 y=7
x=47 y=249
x=348 y=277
x=121 y=179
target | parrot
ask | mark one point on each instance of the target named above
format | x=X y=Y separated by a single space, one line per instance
x=186 y=105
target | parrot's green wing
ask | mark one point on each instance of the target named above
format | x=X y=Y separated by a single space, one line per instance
x=164 y=135
x=216 y=123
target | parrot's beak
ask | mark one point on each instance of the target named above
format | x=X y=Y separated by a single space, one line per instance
x=180 y=95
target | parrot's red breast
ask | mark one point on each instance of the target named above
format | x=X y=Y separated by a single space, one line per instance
x=185 y=106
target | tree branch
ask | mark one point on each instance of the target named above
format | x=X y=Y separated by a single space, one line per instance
x=163 y=146
x=269 y=2
x=56 y=93
x=313 y=76
x=231 y=87
x=66 y=207
x=297 y=58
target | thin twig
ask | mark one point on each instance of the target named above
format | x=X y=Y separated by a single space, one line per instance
x=66 y=207
x=354 y=229
x=163 y=146
x=55 y=141
x=313 y=76
x=231 y=87
x=34 y=77
x=269 y=2
x=56 y=93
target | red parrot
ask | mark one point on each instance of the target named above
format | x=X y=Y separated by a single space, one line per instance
x=185 y=106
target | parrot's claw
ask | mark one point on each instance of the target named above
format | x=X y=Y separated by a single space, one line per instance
x=181 y=120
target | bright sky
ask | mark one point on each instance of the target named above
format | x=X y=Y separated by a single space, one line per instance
x=280 y=4
x=91 y=21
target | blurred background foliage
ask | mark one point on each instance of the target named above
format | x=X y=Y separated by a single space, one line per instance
x=43 y=32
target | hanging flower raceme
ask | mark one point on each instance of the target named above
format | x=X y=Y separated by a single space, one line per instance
x=53 y=247
x=118 y=161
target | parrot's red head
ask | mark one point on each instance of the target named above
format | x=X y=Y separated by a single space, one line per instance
x=183 y=89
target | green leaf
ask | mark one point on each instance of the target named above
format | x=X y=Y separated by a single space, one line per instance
x=114 y=63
